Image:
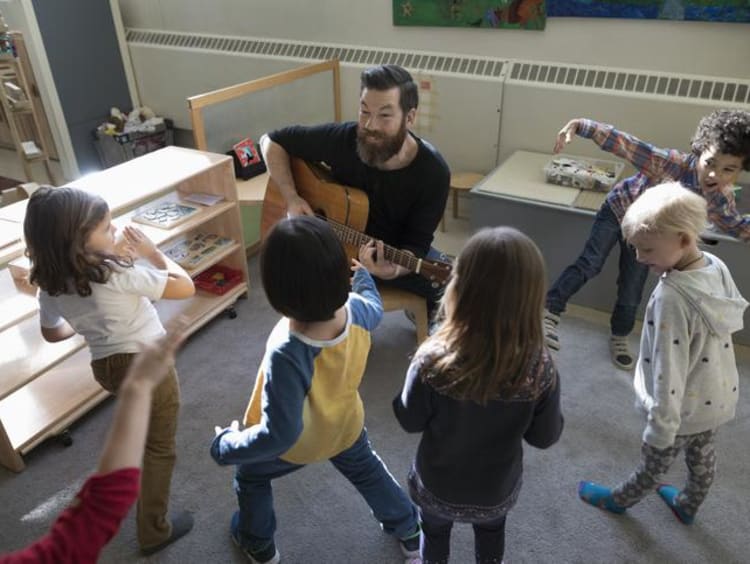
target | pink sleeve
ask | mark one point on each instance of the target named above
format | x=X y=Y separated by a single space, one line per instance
x=93 y=518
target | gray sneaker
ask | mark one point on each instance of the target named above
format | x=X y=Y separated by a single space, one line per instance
x=619 y=348
x=550 y=323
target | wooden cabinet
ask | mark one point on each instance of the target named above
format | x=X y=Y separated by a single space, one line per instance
x=44 y=387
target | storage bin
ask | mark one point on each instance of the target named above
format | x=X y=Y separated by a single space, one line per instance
x=120 y=147
x=583 y=172
x=218 y=279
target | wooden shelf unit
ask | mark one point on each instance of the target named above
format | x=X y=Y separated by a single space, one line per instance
x=44 y=387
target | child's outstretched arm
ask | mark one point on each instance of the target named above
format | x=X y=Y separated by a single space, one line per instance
x=652 y=161
x=80 y=532
x=285 y=386
x=364 y=285
x=179 y=284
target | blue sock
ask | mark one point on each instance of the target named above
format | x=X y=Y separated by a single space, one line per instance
x=598 y=496
x=669 y=495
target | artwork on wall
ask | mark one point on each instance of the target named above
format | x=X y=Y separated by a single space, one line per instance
x=700 y=10
x=498 y=14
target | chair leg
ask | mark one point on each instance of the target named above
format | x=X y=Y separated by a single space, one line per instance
x=420 y=320
x=455 y=203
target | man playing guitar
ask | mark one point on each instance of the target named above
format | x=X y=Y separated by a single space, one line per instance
x=405 y=178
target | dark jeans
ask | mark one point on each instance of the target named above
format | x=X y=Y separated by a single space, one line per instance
x=605 y=234
x=489 y=539
x=359 y=464
x=419 y=285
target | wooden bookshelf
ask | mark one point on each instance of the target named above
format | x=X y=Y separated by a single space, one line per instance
x=47 y=386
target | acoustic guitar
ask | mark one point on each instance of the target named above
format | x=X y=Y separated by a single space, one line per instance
x=345 y=209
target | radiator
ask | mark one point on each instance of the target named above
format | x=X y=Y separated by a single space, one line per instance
x=475 y=110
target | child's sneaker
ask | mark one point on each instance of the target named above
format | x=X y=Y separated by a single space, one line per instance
x=410 y=545
x=266 y=554
x=669 y=495
x=619 y=348
x=550 y=323
x=598 y=496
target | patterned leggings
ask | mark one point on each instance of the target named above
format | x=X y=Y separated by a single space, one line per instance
x=700 y=459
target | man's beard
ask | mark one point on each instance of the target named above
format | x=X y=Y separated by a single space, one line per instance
x=376 y=148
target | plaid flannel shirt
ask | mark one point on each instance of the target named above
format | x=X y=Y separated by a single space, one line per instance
x=656 y=166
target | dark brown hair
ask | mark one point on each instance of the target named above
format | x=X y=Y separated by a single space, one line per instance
x=57 y=226
x=385 y=77
x=491 y=336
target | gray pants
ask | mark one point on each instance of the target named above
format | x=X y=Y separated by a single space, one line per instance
x=700 y=459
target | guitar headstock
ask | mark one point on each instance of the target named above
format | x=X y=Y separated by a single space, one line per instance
x=437 y=272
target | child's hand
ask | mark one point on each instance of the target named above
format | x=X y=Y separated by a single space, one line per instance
x=565 y=135
x=372 y=258
x=139 y=242
x=234 y=426
x=151 y=365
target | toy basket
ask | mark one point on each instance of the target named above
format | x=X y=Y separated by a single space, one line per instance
x=120 y=147
x=583 y=172
x=218 y=279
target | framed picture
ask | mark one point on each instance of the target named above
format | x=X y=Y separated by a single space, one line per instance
x=246 y=152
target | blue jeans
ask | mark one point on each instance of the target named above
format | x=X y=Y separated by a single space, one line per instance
x=419 y=285
x=489 y=539
x=359 y=464
x=605 y=233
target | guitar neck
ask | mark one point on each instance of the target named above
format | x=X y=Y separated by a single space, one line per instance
x=356 y=238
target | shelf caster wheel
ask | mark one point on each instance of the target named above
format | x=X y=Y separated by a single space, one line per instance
x=231 y=312
x=65 y=438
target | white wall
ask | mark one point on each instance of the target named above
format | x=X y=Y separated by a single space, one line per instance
x=683 y=47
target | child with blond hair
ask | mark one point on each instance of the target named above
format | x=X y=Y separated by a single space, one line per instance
x=686 y=377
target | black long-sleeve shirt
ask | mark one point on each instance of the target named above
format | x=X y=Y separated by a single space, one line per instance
x=406 y=204
x=472 y=454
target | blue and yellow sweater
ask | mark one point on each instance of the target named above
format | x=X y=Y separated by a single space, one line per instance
x=305 y=406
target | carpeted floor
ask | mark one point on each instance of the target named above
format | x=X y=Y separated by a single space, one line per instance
x=321 y=518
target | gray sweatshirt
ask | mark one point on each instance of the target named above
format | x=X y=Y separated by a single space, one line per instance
x=686 y=377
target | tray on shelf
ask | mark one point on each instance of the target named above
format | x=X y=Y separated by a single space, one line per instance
x=196 y=250
x=218 y=279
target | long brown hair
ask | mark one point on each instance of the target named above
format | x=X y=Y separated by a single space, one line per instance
x=57 y=226
x=491 y=336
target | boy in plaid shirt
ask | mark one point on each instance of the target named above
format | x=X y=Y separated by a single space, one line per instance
x=720 y=151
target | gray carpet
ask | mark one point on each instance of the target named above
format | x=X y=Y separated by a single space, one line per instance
x=323 y=520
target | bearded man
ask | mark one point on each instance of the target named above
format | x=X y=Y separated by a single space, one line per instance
x=405 y=178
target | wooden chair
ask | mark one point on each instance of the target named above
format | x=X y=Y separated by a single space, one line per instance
x=395 y=299
x=461 y=181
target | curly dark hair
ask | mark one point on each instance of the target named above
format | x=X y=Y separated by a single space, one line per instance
x=728 y=131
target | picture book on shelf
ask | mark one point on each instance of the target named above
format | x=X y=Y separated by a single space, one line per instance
x=193 y=251
x=165 y=215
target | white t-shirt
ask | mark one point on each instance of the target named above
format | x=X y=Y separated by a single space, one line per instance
x=117 y=316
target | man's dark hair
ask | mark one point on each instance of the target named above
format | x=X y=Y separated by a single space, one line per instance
x=728 y=131
x=304 y=269
x=385 y=77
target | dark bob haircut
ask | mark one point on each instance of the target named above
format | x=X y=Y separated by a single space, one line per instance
x=304 y=269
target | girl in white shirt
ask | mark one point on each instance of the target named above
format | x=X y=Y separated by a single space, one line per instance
x=91 y=286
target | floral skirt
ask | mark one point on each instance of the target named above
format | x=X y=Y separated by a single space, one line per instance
x=458 y=512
